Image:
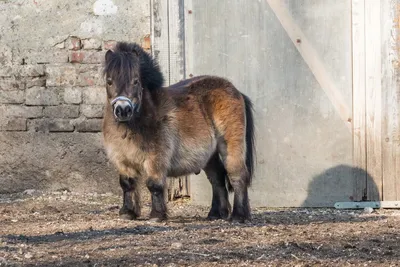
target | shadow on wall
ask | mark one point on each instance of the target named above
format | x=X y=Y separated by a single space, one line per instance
x=338 y=184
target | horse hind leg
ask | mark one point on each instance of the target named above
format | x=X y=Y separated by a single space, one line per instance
x=233 y=155
x=216 y=174
x=131 y=198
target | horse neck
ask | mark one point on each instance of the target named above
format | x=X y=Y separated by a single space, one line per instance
x=149 y=113
x=148 y=106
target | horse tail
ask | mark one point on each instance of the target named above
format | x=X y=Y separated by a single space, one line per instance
x=250 y=142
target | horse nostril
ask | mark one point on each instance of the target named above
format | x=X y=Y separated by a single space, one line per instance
x=118 y=111
x=128 y=111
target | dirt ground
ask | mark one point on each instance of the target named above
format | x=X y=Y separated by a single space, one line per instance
x=68 y=229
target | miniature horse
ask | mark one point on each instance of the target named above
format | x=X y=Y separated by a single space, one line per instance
x=152 y=132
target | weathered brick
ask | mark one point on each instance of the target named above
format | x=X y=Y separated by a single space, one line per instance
x=12 y=124
x=76 y=56
x=89 y=75
x=18 y=111
x=64 y=111
x=91 y=43
x=45 y=57
x=89 y=125
x=146 y=43
x=73 y=43
x=59 y=75
x=61 y=125
x=92 y=111
x=73 y=95
x=12 y=97
x=86 y=57
x=29 y=70
x=36 y=81
x=94 y=95
x=50 y=125
x=107 y=45
x=12 y=83
x=42 y=96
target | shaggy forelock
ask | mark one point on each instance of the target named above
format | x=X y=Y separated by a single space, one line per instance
x=128 y=58
x=120 y=65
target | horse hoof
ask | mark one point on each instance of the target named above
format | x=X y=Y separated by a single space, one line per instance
x=239 y=219
x=213 y=218
x=219 y=215
x=157 y=220
x=127 y=214
x=157 y=216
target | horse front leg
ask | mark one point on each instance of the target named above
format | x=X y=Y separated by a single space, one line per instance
x=155 y=167
x=131 y=198
x=156 y=186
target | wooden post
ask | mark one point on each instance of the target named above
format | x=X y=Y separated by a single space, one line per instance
x=390 y=19
x=168 y=48
x=373 y=88
x=359 y=78
x=159 y=35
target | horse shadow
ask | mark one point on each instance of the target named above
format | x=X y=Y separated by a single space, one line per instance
x=86 y=235
x=341 y=183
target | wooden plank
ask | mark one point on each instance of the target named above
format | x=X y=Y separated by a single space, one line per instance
x=168 y=49
x=176 y=41
x=359 y=141
x=188 y=37
x=159 y=34
x=373 y=98
x=188 y=62
x=160 y=51
x=390 y=100
x=177 y=68
x=313 y=60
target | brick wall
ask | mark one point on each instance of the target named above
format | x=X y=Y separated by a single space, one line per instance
x=52 y=93
x=61 y=90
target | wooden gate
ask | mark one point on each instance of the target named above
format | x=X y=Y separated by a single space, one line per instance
x=324 y=81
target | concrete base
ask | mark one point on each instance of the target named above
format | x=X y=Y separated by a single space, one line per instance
x=52 y=161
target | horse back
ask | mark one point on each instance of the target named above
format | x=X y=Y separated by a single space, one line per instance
x=208 y=109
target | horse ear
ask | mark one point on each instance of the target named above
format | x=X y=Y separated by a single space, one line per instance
x=109 y=54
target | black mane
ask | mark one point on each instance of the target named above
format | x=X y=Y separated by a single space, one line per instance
x=123 y=60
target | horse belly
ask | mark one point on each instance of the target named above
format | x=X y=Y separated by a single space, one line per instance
x=192 y=158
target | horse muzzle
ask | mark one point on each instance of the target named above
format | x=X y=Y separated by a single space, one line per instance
x=123 y=108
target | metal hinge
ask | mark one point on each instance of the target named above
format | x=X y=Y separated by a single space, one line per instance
x=372 y=204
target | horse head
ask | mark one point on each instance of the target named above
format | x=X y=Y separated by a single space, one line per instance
x=123 y=80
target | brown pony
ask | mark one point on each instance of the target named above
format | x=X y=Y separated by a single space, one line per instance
x=153 y=132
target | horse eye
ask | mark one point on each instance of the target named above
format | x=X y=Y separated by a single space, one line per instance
x=109 y=81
